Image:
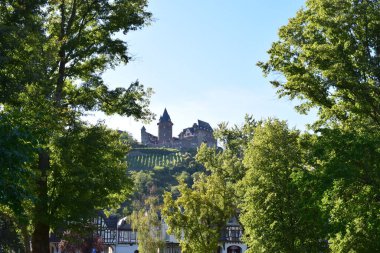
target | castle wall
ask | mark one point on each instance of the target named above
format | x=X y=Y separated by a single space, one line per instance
x=205 y=137
x=188 y=143
x=144 y=138
x=147 y=138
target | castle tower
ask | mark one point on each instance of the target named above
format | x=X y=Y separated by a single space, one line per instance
x=165 y=128
x=144 y=139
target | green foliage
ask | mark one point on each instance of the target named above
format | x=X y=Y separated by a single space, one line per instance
x=348 y=164
x=10 y=235
x=16 y=148
x=20 y=36
x=160 y=178
x=199 y=213
x=145 y=221
x=53 y=55
x=278 y=213
x=236 y=138
x=158 y=151
x=85 y=178
x=227 y=164
x=144 y=214
x=127 y=138
x=78 y=46
x=142 y=183
x=329 y=55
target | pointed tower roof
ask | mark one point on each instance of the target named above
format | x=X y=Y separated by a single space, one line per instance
x=165 y=117
x=143 y=128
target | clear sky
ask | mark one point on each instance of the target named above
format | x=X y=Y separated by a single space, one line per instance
x=200 y=58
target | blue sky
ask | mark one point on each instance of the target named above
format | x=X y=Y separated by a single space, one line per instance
x=200 y=58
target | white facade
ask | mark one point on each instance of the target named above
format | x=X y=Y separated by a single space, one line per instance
x=126 y=248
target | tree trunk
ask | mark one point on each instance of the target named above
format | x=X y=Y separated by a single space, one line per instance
x=40 y=236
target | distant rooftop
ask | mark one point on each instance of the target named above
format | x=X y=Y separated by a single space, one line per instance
x=165 y=117
x=204 y=125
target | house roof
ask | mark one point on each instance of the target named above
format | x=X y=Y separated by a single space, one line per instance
x=204 y=125
x=124 y=225
x=110 y=221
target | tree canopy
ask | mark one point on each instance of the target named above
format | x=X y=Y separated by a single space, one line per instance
x=53 y=55
x=329 y=56
x=279 y=210
x=199 y=214
x=64 y=47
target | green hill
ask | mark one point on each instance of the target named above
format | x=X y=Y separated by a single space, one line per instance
x=150 y=158
x=155 y=170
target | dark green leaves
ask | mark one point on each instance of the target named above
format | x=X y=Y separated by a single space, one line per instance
x=52 y=57
x=88 y=172
x=16 y=149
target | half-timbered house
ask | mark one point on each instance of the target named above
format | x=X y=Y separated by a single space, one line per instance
x=119 y=237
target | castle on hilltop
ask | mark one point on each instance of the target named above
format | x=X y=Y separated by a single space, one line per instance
x=189 y=138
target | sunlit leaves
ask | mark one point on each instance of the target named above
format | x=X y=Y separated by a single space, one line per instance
x=278 y=212
x=329 y=56
x=200 y=213
x=53 y=55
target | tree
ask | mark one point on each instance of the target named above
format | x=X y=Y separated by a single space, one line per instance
x=10 y=238
x=16 y=148
x=143 y=184
x=347 y=160
x=278 y=212
x=236 y=138
x=53 y=54
x=198 y=215
x=145 y=220
x=329 y=55
x=144 y=216
x=75 y=242
x=127 y=138
x=86 y=178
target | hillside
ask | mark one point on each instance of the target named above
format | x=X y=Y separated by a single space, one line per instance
x=150 y=158
x=155 y=170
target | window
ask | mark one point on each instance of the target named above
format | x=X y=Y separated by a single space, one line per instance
x=127 y=237
x=233 y=233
